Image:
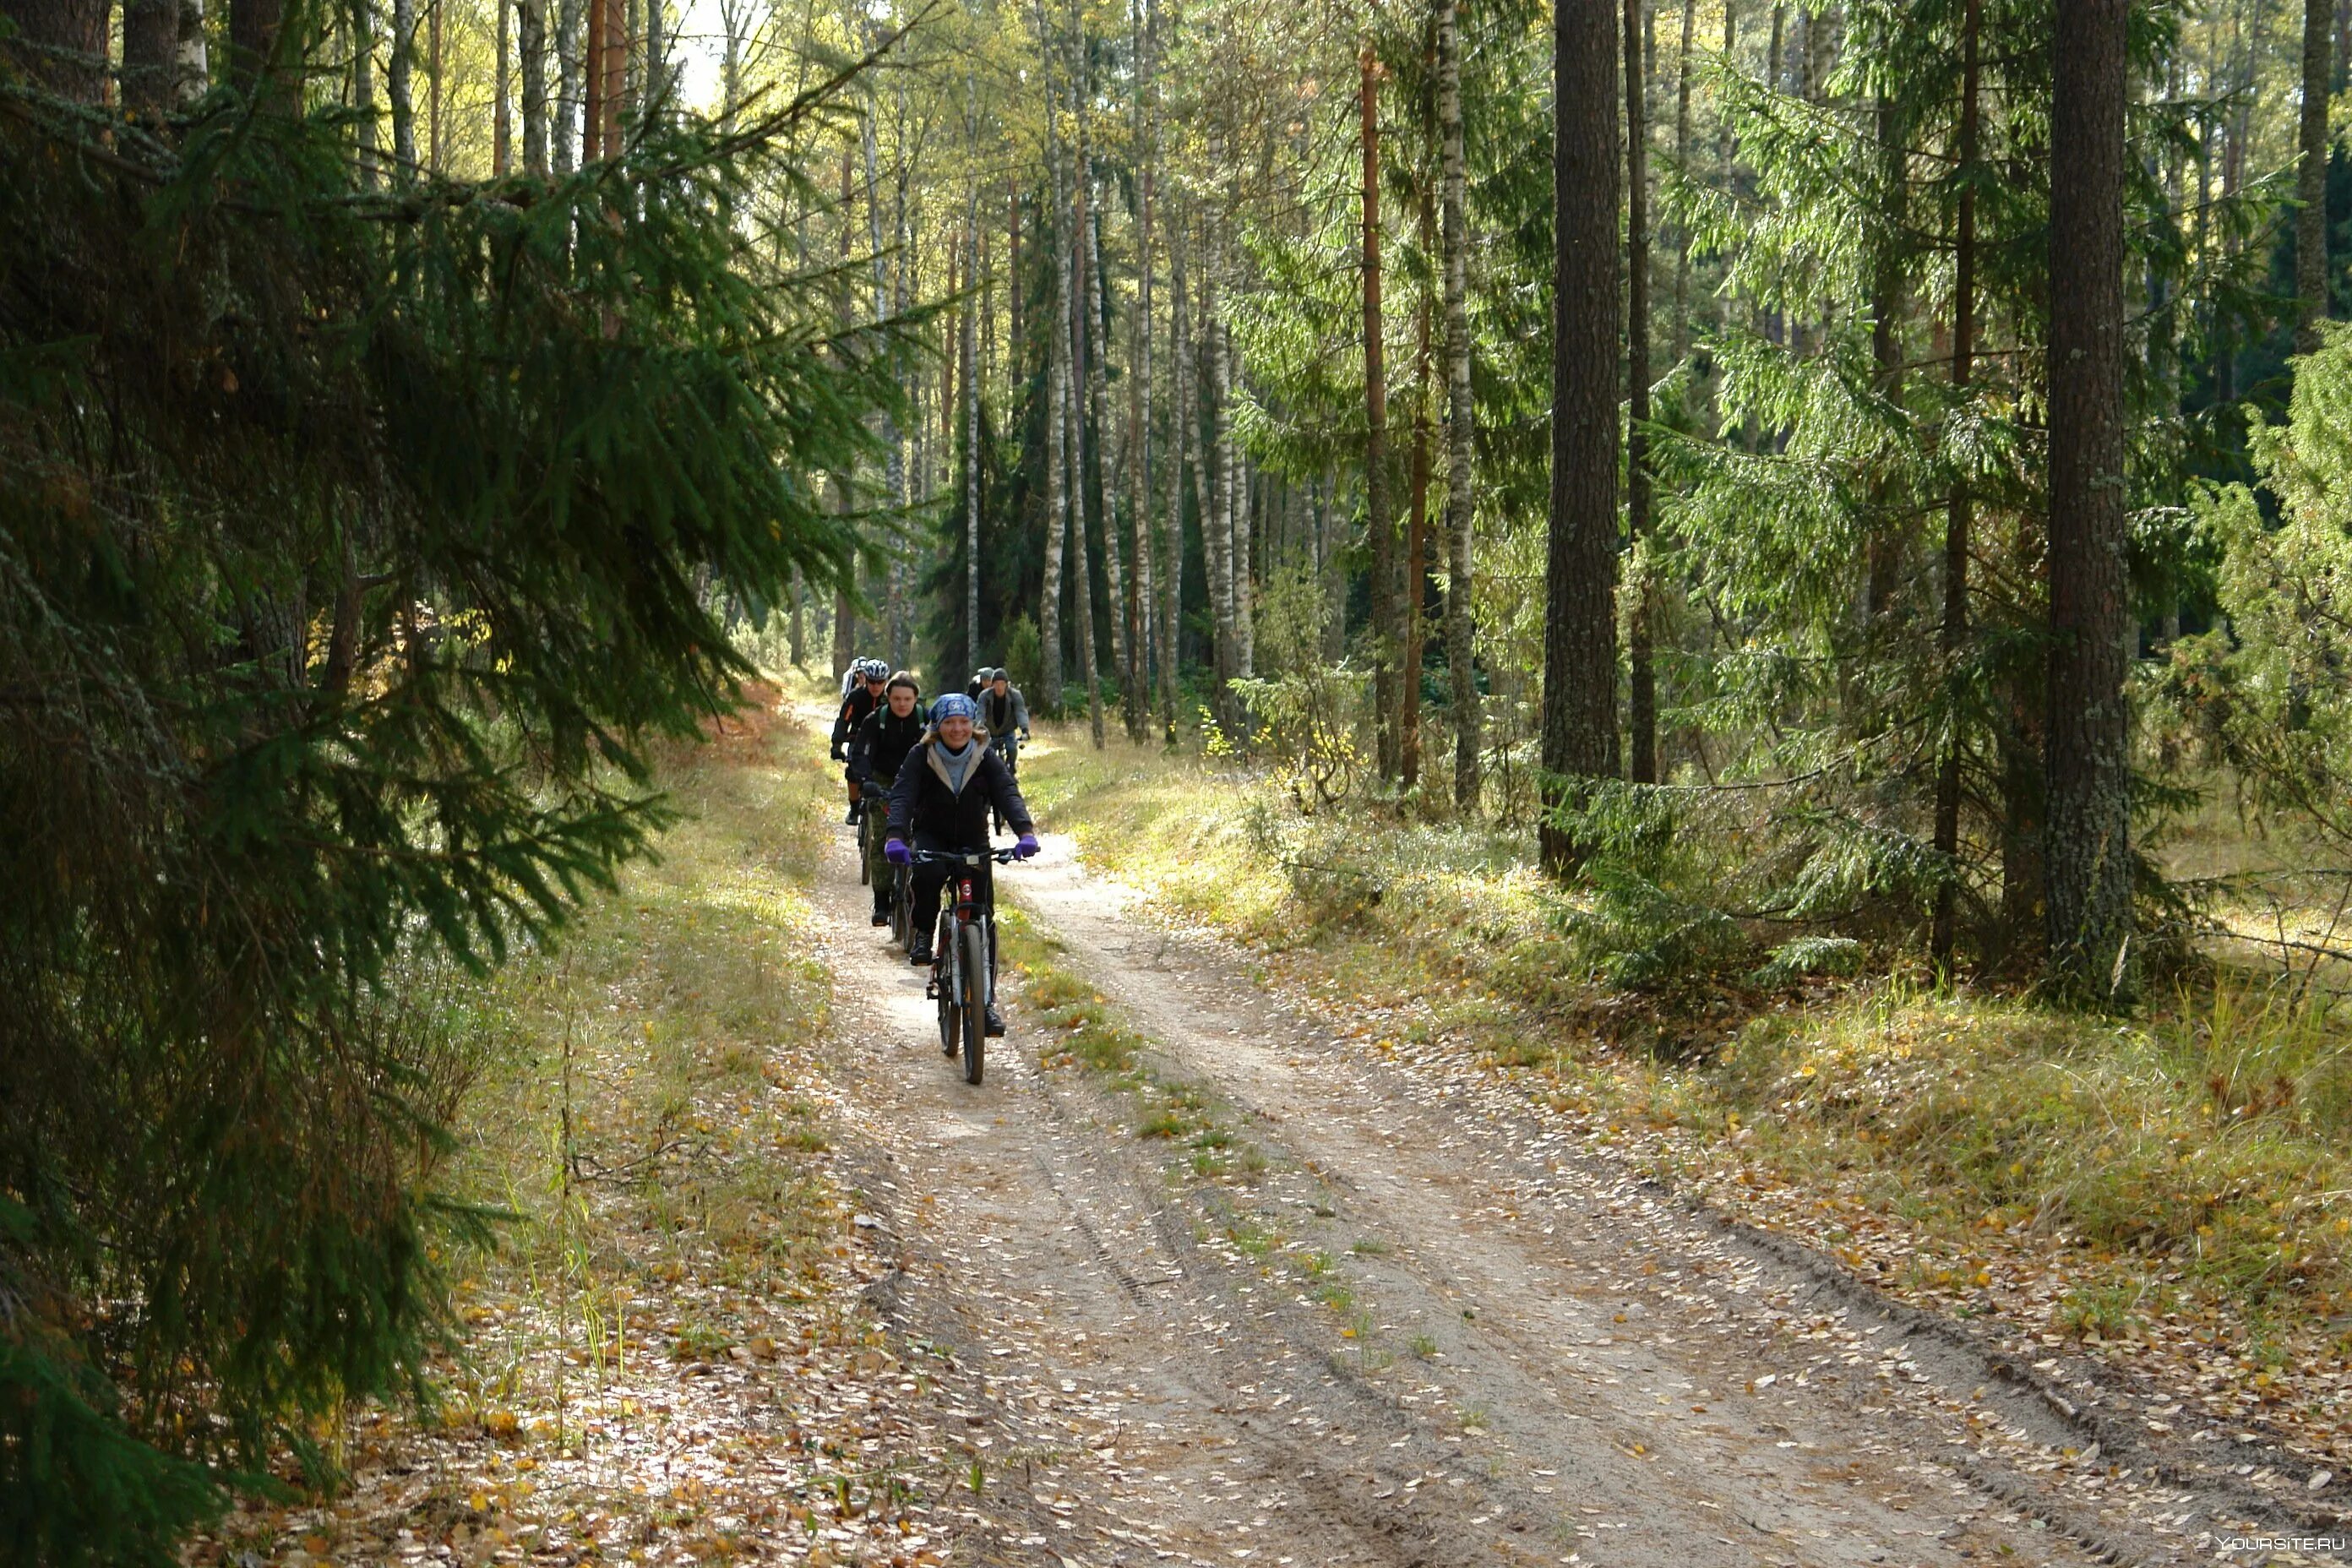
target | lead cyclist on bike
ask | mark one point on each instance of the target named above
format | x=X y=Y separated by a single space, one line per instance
x=947 y=787
x=877 y=749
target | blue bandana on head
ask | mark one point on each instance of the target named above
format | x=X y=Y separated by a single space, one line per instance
x=955 y=705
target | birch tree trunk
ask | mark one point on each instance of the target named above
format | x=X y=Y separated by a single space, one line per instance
x=1049 y=608
x=563 y=130
x=971 y=432
x=530 y=43
x=1460 y=418
x=398 y=87
x=1217 y=523
x=1642 y=766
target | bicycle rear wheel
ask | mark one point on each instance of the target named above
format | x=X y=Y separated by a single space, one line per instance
x=975 y=999
x=902 y=916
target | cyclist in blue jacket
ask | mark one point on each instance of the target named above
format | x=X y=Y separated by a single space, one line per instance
x=947 y=787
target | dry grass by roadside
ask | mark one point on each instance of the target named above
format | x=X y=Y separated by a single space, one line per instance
x=668 y=1357
x=2172 y=1193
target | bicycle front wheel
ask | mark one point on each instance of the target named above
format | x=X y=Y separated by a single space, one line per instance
x=866 y=850
x=974 y=941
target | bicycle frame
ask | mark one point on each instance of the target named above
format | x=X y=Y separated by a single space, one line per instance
x=962 y=976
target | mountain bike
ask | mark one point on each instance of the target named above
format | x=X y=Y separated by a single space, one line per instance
x=960 y=981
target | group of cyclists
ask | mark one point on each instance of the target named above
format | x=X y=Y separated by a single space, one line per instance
x=928 y=780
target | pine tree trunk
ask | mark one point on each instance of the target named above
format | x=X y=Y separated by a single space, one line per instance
x=434 y=60
x=1579 y=691
x=1958 y=518
x=615 y=76
x=1376 y=527
x=1416 y=549
x=151 y=56
x=2087 y=832
x=1081 y=567
x=1682 y=162
x=2311 y=181
x=530 y=43
x=657 y=58
x=253 y=38
x=1461 y=508
x=502 y=110
x=1642 y=715
x=1144 y=601
x=1183 y=439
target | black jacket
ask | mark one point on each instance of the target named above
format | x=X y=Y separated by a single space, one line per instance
x=881 y=742
x=922 y=804
x=854 y=709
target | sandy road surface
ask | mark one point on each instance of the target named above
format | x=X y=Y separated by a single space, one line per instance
x=1539 y=1359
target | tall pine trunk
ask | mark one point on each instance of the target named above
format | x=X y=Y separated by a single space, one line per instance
x=1460 y=495
x=1643 y=716
x=151 y=56
x=2311 y=181
x=1183 y=439
x=1376 y=527
x=1416 y=544
x=501 y=110
x=2086 y=850
x=1683 y=162
x=1580 y=713
x=1081 y=567
x=1958 y=518
x=1143 y=598
x=62 y=45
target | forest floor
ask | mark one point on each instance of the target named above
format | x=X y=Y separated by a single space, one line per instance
x=1219 y=1265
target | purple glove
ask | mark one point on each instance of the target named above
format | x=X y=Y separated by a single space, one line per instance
x=1026 y=847
x=897 y=853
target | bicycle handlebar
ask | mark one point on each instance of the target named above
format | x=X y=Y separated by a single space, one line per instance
x=961 y=857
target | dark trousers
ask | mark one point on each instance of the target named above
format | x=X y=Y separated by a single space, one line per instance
x=931 y=882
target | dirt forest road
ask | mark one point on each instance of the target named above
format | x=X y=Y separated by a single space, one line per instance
x=1425 y=1331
